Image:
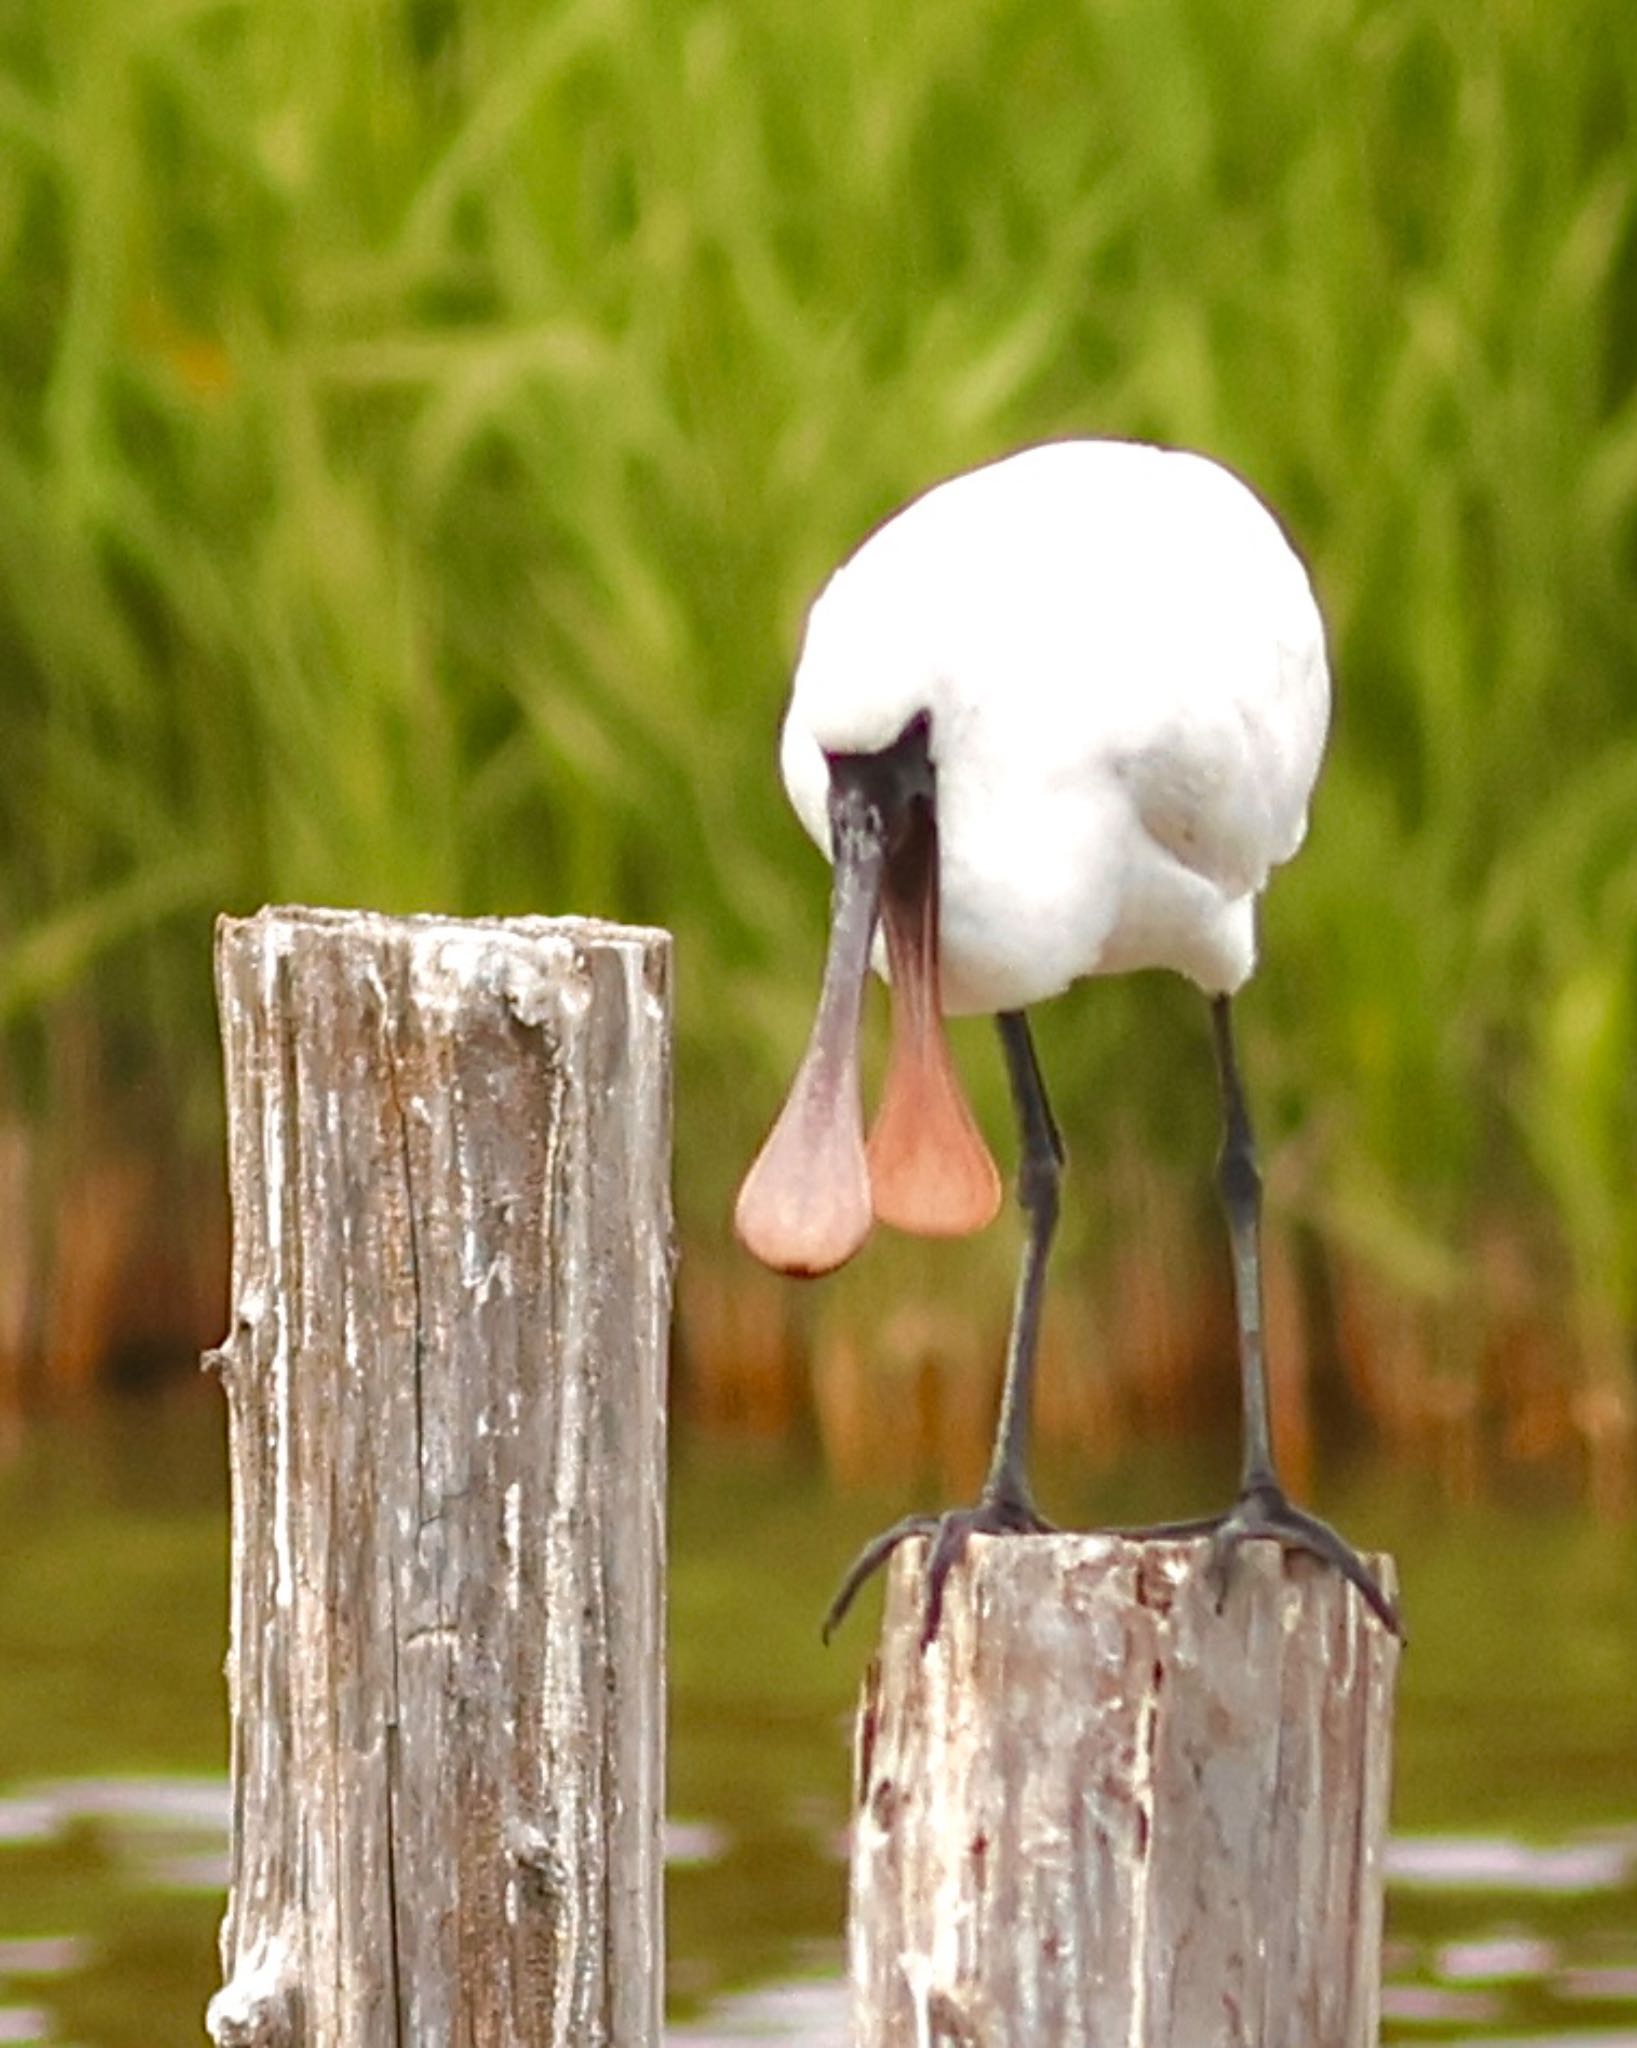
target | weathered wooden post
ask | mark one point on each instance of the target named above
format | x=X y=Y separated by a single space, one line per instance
x=1096 y=1811
x=449 y=1159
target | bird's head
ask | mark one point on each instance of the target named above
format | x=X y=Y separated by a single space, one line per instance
x=816 y=1186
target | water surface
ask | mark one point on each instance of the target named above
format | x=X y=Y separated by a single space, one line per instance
x=1512 y=1911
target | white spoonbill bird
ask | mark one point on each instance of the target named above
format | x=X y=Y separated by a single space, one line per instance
x=1058 y=717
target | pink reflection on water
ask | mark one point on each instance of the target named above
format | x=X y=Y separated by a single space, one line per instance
x=1495 y=1959
x=1615 y=1981
x=1499 y=1863
x=813 y=2014
x=1427 y=2002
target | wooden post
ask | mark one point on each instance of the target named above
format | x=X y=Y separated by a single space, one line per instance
x=449 y=1159
x=1096 y=1811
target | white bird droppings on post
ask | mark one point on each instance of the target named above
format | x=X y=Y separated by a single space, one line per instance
x=249 y=2008
x=513 y=1544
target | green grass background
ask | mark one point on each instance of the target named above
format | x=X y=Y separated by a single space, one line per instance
x=422 y=426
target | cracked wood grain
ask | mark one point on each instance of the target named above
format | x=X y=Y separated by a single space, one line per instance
x=1096 y=1811
x=449 y=1164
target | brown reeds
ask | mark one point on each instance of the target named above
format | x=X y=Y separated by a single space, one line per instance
x=894 y=1376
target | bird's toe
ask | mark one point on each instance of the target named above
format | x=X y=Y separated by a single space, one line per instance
x=1263 y=1514
x=994 y=1515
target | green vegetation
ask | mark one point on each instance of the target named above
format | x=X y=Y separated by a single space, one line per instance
x=421 y=427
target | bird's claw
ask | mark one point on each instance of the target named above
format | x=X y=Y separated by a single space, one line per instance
x=1263 y=1513
x=868 y=1562
x=994 y=1515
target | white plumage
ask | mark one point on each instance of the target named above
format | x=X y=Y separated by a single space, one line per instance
x=1124 y=666
x=1058 y=717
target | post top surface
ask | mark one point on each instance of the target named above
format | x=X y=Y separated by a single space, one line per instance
x=422 y=925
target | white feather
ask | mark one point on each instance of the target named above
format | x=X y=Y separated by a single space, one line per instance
x=1124 y=668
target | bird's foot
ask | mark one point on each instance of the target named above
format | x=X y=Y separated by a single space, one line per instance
x=994 y=1515
x=1263 y=1514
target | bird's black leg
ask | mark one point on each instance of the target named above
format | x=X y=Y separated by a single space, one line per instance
x=1240 y=1181
x=1040 y=1176
x=1262 y=1511
x=1005 y=1505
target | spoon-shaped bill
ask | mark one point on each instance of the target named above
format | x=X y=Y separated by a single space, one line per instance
x=930 y=1170
x=805 y=1204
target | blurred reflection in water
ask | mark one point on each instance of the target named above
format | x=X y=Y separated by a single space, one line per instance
x=1513 y=1912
